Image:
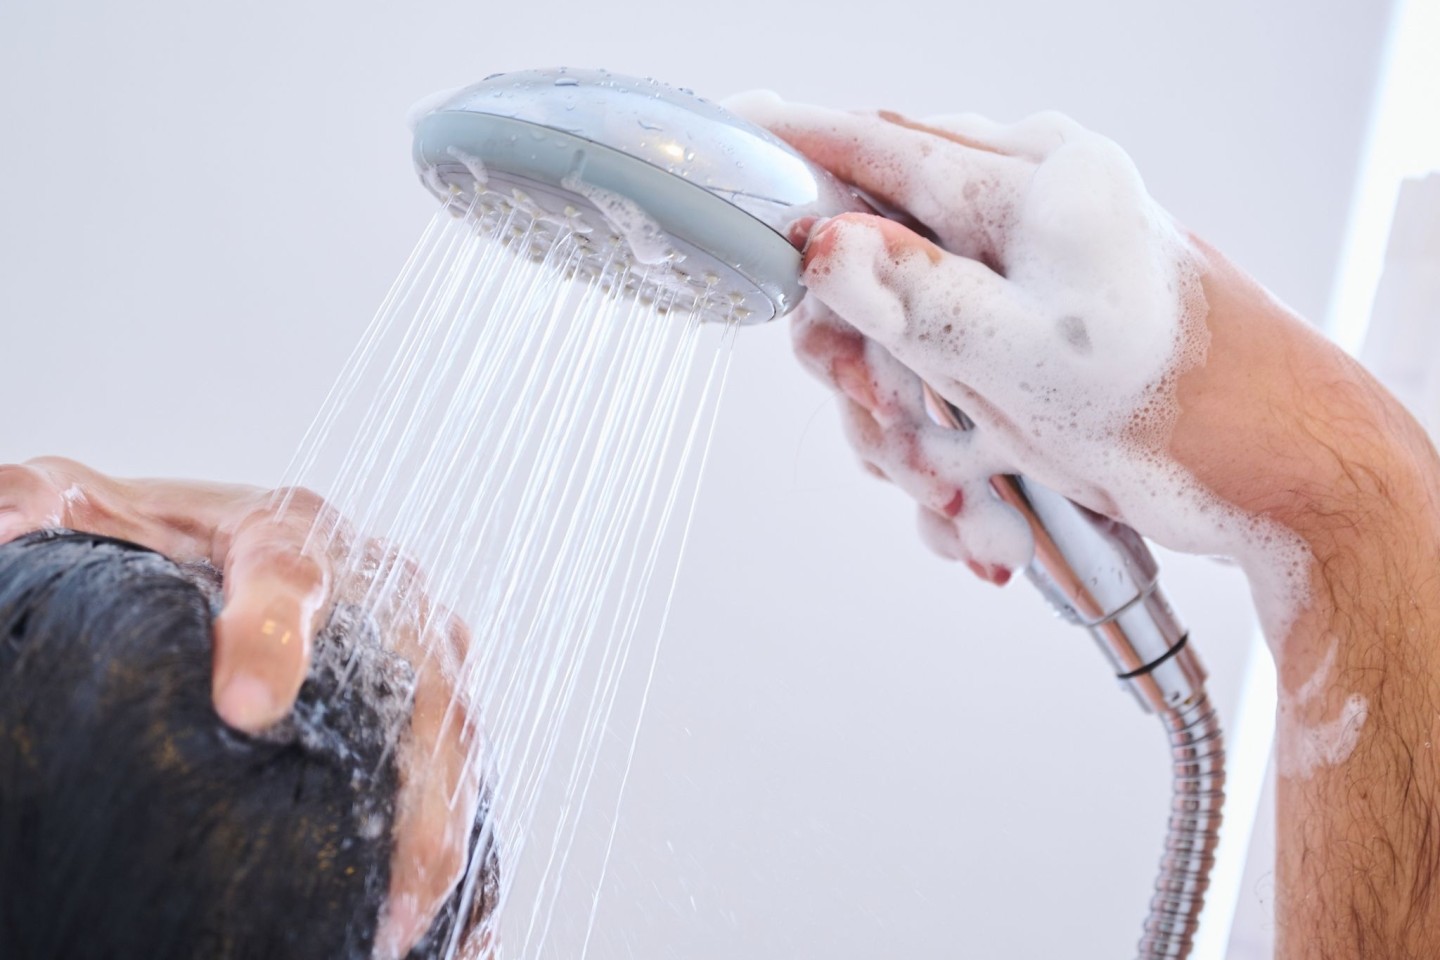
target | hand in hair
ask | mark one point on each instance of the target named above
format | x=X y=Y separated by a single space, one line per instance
x=280 y=586
x=134 y=823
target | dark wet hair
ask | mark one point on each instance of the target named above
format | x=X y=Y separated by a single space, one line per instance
x=134 y=823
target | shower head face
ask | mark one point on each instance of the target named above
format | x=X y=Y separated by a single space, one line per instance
x=694 y=200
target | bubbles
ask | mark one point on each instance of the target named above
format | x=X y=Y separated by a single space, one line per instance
x=646 y=239
x=473 y=164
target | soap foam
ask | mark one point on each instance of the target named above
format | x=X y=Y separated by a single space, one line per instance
x=647 y=240
x=1067 y=359
x=473 y=164
x=1307 y=745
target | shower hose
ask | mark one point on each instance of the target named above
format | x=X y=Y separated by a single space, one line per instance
x=1197 y=752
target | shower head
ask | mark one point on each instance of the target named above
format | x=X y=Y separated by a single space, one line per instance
x=693 y=198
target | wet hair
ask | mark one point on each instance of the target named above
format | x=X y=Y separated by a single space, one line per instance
x=134 y=823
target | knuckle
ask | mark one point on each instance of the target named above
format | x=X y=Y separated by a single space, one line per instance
x=281 y=556
x=305 y=509
x=303 y=500
x=18 y=481
x=864 y=434
x=458 y=634
x=29 y=497
x=396 y=566
x=55 y=464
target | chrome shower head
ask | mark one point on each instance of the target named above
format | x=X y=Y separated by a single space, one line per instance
x=642 y=173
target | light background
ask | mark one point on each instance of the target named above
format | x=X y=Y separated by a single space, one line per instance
x=852 y=750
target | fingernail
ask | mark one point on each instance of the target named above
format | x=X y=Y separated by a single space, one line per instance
x=247 y=703
x=827 y=243
x=800 y=230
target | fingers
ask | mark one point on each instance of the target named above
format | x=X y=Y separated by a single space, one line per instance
x=28 y=502
x=942 y=535
x=898 y=452
x=948 y=477
x=177 y=518
x=276 y=596
x=277 y=592
x=948 y=318
x=881 y=409
x=886 y=421
x=1033 y=138
x=441 y=790
x=960 y=187
x=833 y=351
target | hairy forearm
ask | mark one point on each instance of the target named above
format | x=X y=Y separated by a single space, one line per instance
x=1358 y=841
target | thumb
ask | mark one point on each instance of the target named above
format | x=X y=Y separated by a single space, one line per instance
x=276 y=597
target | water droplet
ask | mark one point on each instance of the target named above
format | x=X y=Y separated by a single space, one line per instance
x=566 y=82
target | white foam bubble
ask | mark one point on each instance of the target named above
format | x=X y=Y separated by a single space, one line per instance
x=1308 y=744
x=473 y=164
x=646 y=238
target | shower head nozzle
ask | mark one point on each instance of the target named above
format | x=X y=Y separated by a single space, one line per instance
x=641 y=174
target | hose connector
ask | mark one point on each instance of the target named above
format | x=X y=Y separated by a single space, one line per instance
x=1099 y=574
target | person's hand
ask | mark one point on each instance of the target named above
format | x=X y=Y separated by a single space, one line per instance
x=1098 y=347
x=283 y=572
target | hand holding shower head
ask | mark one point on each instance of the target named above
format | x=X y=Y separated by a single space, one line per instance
x=697 y=202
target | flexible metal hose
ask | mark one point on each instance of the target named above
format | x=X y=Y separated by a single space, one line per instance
x=1099 y=574
x=1198 y=753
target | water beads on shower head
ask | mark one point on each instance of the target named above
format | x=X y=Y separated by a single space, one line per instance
x=660 y=190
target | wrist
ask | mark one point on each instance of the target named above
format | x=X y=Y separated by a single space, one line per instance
x=1283 y=424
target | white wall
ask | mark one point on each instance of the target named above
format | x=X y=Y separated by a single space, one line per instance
x=852 y=750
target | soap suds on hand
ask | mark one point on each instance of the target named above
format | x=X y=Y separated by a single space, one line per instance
x=1062 y=328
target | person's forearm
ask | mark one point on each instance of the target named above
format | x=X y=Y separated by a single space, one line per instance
x=1358 y=745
